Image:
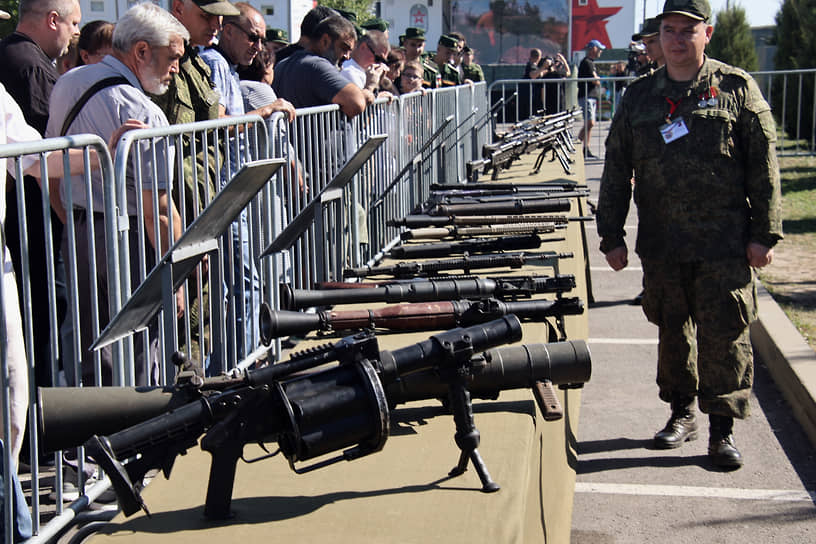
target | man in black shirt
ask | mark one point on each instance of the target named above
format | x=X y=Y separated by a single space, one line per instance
x=307 y=29
x=43 y=33
x=589 y=91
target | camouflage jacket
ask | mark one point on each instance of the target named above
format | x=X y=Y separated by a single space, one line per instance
x=192 y=97
x=473 y=72
x=705 y=195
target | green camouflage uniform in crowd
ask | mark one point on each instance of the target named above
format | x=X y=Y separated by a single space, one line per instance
x=448 y=75
x=701 y=199
x=473 y=72
x=190 y=98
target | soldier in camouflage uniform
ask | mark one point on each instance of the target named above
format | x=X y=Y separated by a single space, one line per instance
x=190 y=98
x=700 y=139
x=446 y=75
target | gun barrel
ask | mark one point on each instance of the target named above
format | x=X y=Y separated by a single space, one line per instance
x=293 y=299
x=513 y=367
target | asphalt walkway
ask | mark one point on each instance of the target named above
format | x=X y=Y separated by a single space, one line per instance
x=627 y=492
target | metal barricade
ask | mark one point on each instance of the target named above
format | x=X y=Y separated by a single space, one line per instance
x=62 y=341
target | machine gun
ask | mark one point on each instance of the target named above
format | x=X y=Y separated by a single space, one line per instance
x=466 y=263
x=311 y=414
x=453 y=231
x=420 y=316
x=426 y=291
x=545 y=132
x=476 y=245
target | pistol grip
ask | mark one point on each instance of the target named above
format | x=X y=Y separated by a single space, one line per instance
x=547 y=400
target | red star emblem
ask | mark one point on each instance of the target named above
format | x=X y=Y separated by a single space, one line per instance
x=589 y=23
x=419 y=19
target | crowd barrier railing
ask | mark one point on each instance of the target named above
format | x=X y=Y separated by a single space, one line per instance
x=111 y=243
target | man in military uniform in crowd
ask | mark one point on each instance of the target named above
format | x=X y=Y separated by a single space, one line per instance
x=413 y=41
x=650 y=37
x=192 y=97
x=700 y=140
x=447 y=75
x=276 y=39
x=470 y=69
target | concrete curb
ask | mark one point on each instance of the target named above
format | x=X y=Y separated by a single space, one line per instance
x=789 y=358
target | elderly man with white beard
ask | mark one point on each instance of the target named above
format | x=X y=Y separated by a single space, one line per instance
x=147 y=45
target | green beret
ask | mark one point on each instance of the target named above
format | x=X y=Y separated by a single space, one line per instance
x=376 y=24
x=277 y=35
x=448 y=41
x=414 y=33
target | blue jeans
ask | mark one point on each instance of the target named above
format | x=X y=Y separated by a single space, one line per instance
x=19 y=510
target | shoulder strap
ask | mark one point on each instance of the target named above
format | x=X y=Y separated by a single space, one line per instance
x=95 y=88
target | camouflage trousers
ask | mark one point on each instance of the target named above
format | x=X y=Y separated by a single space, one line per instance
x=703 y=311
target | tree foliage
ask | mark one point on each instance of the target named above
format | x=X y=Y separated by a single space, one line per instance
x=7 y=27
x=796 y=49
x=363 y=8
x=732 y=41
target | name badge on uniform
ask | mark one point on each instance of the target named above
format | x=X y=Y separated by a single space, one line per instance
x=674 y=130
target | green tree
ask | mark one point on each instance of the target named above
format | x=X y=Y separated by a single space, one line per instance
x=8 y=26
x=732 y=41
x=796 y=49
x=363 y=8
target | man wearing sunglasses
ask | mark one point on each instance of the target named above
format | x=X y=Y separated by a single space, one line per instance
x=368 y=63
x=242 y=38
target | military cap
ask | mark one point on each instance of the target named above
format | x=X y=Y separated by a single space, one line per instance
x=349 y=15
x=376 y=24
x=696 y=9
x=414 y=33
x=277 y=35
x=448 y=41
x=651 y=27
x=217 y=7
x=467 y=49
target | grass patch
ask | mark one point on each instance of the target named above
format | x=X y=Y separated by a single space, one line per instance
x=791 y=279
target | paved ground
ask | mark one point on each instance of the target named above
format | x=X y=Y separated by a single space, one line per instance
x=627 y=492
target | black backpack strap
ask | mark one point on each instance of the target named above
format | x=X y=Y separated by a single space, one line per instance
x=95 y=88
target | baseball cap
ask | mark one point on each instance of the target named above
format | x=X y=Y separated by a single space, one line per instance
x=699 y=10
x=414 y=33
x=651 y=26
x=4 y=14
x=217 y=7
x=277 y=35
x=595 y=43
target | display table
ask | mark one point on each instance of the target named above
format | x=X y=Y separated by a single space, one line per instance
x=402 y=493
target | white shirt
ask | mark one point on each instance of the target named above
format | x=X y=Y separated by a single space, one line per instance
x=354 y=73
x=13 y=129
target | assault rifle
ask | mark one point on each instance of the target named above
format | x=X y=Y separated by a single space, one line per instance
x=421 y=220
x=425 y=291
x=420 y=316
x=467 y=264
x=436 y=233
x=475 y=245
x=311 y=413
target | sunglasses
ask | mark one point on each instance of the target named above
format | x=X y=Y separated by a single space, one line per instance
x=377 y=57
x=253 y=38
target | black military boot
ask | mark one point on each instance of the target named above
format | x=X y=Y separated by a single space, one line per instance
x=721 y=448
x=681 y=426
